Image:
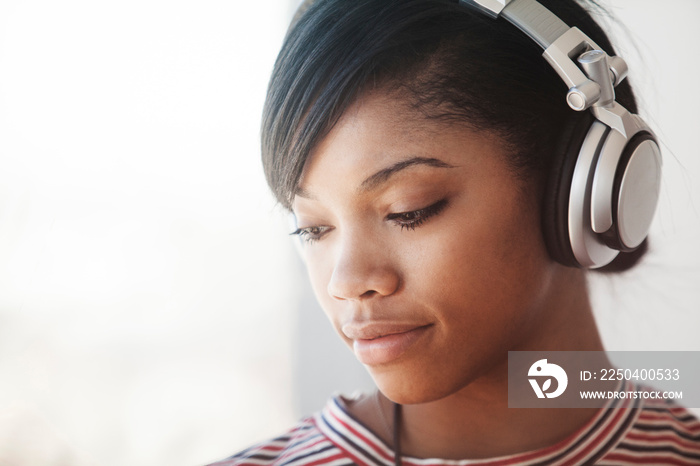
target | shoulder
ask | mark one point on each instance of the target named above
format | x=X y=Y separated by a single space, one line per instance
x=303 y=441
x=660 y=432
x=307 y=443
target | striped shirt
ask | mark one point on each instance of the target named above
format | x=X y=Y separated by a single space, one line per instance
x=629 y=432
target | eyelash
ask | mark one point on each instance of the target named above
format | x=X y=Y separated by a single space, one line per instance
x=414 y=219
x=409 y=220
x=307 y=234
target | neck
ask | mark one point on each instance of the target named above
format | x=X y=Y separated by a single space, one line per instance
x=472 y=426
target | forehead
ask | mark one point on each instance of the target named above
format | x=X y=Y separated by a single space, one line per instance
x=380 y=129
x=381 y=116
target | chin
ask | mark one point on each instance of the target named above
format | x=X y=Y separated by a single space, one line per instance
x=409 y=390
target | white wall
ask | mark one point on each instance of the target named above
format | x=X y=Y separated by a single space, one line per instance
x=144 y=272
x=152 y=310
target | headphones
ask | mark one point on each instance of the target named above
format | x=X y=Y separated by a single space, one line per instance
x=605 y=186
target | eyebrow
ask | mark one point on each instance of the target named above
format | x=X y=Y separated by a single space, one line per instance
x=383 y=175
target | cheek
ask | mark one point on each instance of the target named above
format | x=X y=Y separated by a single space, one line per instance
x=319 y=270
x=486 y=276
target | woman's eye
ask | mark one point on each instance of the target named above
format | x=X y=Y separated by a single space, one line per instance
x=311 y=234
x=410 y=220
x=416 y=218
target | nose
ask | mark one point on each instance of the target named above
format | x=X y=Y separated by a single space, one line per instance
x=363 y=268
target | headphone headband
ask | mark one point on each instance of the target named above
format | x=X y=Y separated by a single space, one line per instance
x=561 y=44
x=529 y=16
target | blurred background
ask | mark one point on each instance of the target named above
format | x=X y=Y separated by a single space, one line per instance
x=152 y=307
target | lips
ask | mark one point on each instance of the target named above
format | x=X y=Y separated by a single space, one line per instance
x=381 y=343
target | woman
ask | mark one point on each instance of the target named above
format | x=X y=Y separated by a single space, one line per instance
x=423 y=148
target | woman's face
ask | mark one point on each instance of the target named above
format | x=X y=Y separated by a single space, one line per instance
x=423 y=248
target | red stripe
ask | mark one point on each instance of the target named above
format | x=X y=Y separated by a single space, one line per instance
x=693 y=426
x=272 y=448
x=647 y=459
x=671 y=414
x=679 y=426
x=651 y=439
x=337 y=456
x=678 y=409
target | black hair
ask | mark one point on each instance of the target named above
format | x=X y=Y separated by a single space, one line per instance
x=444 y=59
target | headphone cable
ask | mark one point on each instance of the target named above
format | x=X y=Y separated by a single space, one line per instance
x=397 y=434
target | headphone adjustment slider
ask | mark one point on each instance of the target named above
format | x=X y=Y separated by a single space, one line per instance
x=619 y=69
x=595 y=64
x=584 y=95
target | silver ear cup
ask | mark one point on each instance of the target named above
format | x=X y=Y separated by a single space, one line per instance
x=638 y=194
x=633 y=196
x=589 y=249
